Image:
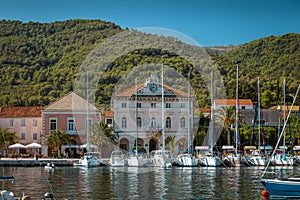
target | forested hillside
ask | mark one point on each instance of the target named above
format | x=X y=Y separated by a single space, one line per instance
x=272 y=59
x=39 y=61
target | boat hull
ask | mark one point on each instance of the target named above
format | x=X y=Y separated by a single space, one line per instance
x=282 y=188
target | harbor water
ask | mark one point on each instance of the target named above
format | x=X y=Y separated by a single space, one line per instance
x=137 y=183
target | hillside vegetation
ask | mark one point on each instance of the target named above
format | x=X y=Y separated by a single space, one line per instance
x=39 y=62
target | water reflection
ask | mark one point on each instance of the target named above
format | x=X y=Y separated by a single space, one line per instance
x=135 y=183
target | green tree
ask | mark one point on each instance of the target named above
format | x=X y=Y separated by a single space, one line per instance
x=227 y=116
x=57 y=139
x=171 y=143
x=101 y=134
x=7 y=138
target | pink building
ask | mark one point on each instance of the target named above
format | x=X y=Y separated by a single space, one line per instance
x=26 y=122
x=71 y=114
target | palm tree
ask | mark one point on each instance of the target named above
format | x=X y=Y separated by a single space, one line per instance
x=171 y=143
x=227 y=116
x=57 y=139
x=102 y=135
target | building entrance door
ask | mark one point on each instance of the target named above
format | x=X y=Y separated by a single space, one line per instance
x=152 y=145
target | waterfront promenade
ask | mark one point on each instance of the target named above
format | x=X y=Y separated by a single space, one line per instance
x=30 y=162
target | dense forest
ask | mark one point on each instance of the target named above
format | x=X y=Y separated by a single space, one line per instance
x=39 y=63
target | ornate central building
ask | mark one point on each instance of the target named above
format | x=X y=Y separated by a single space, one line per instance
x=140 y=112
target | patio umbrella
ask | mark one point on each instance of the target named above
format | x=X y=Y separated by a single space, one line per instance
x=16 y=146
x=33 y=145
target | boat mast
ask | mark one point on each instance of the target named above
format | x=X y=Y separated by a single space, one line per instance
x=212 y=110
x=162 y=107
x=284 y=108
x=136 y=120
x=189 y=115
x=258 y=108
x=87 y=111
x=237 y=107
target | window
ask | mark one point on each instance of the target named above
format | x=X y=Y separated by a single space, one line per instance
x=153 y=122
x=11 y=122
x=168 y=105
x=23 y=122
x=168 y=122
x=138 y=105
x=182 y=122
x=139 y=122
x=243 y=107
x=124 y=122
x=153 y=105
x=182 y=105
x=34 y=122
x=71 y=125
x=34 y=136
x=22 y=136
x=123 y=105
x=53 y=124
x=88 y=124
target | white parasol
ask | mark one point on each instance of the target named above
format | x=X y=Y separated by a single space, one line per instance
x=16 y=146
x=33 y=145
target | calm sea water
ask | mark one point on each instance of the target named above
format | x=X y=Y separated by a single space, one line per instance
x=134 y=183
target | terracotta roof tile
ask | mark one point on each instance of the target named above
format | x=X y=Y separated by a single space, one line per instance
x=130 y=91
x=29 y=111
x=109 y=114
x=233 y=101
x=70 y=102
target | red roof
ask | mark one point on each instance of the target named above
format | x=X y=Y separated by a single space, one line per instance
x=130 y=91
x=29 y=111
x=232 y=102
x=108 y=114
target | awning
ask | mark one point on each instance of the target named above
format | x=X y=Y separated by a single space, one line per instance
x=227 y=147
x=249 y=147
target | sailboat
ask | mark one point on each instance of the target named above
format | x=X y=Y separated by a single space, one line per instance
x=90 y=159
x=283 y=188
x=188 y=159
x=162 y=158
x=280 y=158
x=257 y=159
x=136 y=160
x=234 y=159
x=205 y=154
x=117 y=159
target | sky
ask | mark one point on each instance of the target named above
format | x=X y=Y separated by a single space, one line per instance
x=208 y=22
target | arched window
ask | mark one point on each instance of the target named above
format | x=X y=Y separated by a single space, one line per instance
x=153 y=122
x=168 y=122
x=182 y=122
x=139 y=122
x=124 y=122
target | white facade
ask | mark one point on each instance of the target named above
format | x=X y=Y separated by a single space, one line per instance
x=139 y=111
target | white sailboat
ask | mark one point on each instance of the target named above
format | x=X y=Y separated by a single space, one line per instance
x=136 y=160
x=188 y=159
x=235 y=159
x=258 y=159
x=162 y=158
x=90 y=159
x=280 y=158
x=205 y=154
x=117 y=159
